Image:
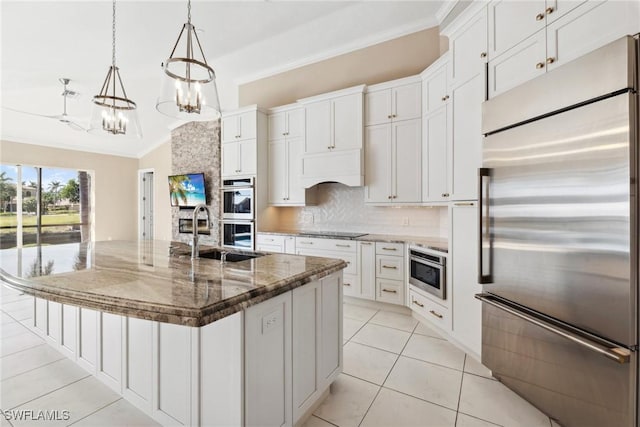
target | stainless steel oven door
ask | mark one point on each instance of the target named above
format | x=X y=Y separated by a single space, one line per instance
x=238 y=234
x=237 y=203
x=428 y=276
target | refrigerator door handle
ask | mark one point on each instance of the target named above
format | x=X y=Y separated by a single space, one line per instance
x=617 y=354
x=484 y=227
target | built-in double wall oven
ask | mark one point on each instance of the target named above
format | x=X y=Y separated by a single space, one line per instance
x=238 y=213
x=428 y=272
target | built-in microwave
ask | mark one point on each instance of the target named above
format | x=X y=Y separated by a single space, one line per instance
x=238 y=199
x=238 y=234
x=428 y=272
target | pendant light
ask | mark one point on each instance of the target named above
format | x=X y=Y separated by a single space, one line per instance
x=113 y=112
x=189 y=89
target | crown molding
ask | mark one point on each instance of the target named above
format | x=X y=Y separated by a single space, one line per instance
x=445 y=9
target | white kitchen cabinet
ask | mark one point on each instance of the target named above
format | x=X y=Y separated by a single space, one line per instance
x=390 y=291
x=109 y=368
x=239 y=158
x=463 y=262
x=393 y=101
x=331 y=358
x=334 y=124
x=569 y=30
x=88 y=339
x=435 y=88
x=393 y=162
x=431 y=311
x=68 y=330
x=466 y=139
x=510 y=22
x=138 y=358
x=437 y=155
x=239 y=125
x=468 y=46
x=54 y=323
x=268 y=376
x=286 y=123
x=275 y=243
x=284 y=173
x=367 y=280
x=40 y=316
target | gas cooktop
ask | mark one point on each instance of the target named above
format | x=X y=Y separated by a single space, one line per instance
x=341 y=234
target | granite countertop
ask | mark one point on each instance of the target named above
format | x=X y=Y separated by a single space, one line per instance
x=434 y=243
x=156 y=280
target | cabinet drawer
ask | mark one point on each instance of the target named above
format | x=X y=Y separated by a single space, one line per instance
x=350 y=259
x=428 y=309
x=396 y=249
x=390 y=267
x=350 y=285
x=391 y=291
x=326 y=244
x=269 y=248
x=270 y=239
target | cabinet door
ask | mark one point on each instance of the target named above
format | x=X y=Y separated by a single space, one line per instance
x=69 y=330
x=377 y=107
x=295 y=190
x=588 y=27
x=277 y=126
x=318 y=127
x=467 y=138
x=519 y=64
x=469 y=49
x=347 y=122
x=289 y=245
x=295 y=123
x=268 y=363
x=331 y=328
x=406 y=161
x=247 y=125
x=110 y=350
x=230 y=160
x=230 y=129
x=277 y=172
x=510 y=22
x=367 y=261
x=467 y=310
x=435 y=90
x=377 y=155
x=306 y=307
x=40 y=319
x=248 y=163
x=556 y=9
x=407 y=102
x=435 y=182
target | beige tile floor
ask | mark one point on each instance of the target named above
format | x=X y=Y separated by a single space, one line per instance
x=397 y=372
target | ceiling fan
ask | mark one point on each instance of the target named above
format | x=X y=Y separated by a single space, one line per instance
x=64 y=117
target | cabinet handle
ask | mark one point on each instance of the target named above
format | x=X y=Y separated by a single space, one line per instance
x=366 y=243
x=549 y=10
x=551 y=60
x=389 y=116
x=390 y=267
x=306 y=243
x=540 y=65
x=444 y=98
x=394 y=197
x=329 y=147
x=388 y=197
x=418 y=304
x=445 y=194
x=540 y=17
x=389 y=249
x=464 y=204
x=268 y=240
x=483 y=55
x=391 y=291
x=348 y=262
x=438 y=315
x=394 y=115
x=346 y=284
x=342 y=246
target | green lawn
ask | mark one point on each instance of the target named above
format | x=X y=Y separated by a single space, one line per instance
x=50 y=219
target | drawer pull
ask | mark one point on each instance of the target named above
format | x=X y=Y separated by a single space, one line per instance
x=438 y=315
x=463 y=204
x=306 y=243
x=389 y=249
x=390 y=267
x=549 y=10
x=540 y=65
x=391 y=291
x=417 y=303
x=366 y=243
x=551 y=60
x=445 y=194
x=343 y=246
x=540 y=17
x=346 y=284
x=268 y=240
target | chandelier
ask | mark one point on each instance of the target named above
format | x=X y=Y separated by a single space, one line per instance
x=189 y=89
x=113 y=112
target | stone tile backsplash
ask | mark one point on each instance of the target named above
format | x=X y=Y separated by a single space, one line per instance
x=195 y=148
x=342 y=208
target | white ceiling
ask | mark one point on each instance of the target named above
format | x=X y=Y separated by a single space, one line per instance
x=243 y=40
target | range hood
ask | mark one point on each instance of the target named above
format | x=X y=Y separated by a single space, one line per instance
x=345 y=167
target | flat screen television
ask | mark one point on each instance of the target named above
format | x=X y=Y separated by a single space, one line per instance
x=187 y=190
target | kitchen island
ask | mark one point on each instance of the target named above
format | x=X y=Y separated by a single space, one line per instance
x=191 y=342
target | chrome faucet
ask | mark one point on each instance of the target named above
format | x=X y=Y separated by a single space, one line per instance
x=195 y=250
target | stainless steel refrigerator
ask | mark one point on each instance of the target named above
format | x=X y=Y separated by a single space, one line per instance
x=559 y=238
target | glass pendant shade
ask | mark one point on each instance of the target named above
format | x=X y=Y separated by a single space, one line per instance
x=113 y=113
x=189 y=89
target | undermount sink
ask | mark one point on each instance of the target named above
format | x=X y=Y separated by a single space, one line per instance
x=231 y=256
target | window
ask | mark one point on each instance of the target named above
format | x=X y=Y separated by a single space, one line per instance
x=45 y=206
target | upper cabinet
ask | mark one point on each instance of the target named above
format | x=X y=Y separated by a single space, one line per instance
x=285 y=148
x=530 y=38
x=393 y=101
x=333 y=138
x=468 y=49
x=239 y=148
